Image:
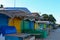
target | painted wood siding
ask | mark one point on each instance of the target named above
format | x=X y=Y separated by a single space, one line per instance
x=3 y=20
x=12 y=38
x=17 y=23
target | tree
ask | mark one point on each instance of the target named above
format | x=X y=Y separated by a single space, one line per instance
x=45 y=17
x=51 y=18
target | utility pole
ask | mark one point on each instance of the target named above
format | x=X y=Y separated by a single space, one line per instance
x=14 y=3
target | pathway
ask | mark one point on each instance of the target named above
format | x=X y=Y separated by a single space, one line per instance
x=55 y=35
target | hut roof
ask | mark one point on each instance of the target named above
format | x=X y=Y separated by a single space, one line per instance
x=11 y=12
x=33 y=16
x=18 y=8
x=46 y=22
x=36 y=14
x=19 y=12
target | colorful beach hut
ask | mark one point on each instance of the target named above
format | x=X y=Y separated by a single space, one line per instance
x=43 y=25
x=28 y=23
x=18 y=14
x=36 y=17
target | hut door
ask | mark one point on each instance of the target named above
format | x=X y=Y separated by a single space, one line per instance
x=36 y=25
x=26 y=25
x=45 y=25
x=17 y=24
x=31 y=25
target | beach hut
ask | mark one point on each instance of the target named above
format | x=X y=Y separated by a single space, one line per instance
x=18 y=15
x=36 y=17
x=28 y=23
x=31 y=22
x=43 y=25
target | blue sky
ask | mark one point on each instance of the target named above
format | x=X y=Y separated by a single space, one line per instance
x=41 y=6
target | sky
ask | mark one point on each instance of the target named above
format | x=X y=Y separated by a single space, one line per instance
x=41 y=6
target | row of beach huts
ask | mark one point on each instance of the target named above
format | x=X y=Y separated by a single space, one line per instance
x=20 y=24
